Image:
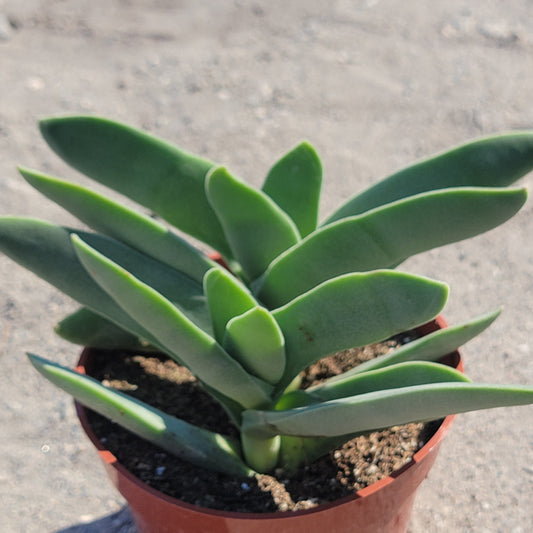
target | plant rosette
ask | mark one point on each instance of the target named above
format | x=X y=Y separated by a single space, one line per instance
x=296 y=290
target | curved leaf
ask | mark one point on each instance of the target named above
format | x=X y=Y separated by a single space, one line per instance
x=294 y=184
x=262 y=454
x=86 y=328
x=45 y=249
x=375 y=410
x=255 y=340
x=191 y=443
x=180 y=337
x=122 y=223
x=296 y=451
x=354 y=310
x=256 y=228
x=158 y=175
x=391 y=377
x=227 y=297
x=386 y=236
x=429 y=348
x=495 y=161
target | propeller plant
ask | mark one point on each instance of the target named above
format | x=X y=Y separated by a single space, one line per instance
x=294 y=291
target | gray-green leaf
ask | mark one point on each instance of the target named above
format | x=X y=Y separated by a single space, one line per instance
x=354 y=310
x=180 y=337
x=86 y=328
x=294 y=184
x=391 y=377
x=375 y=410
x=386 y=236
x=122 y=223
x=256 y=228
x=227 y=297
x=429 y=348
x=255 y=340
x=191 y=443
x=495 y=161
x=158 y=175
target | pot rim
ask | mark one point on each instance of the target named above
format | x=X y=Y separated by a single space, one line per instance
x=111 y=461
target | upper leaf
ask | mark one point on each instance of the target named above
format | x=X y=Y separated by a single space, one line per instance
x=386 y=236
x=158 y=175
x=122 y=223
x=294 y=184
x=495 y=161
x=256 y=228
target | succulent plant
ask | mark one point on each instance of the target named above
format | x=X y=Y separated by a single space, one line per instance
x=294 y=291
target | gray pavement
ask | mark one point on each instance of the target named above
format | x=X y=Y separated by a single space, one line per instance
x=373 y=85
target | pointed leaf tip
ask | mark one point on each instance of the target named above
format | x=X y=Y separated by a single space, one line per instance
x=255 y=227
x=294 y=183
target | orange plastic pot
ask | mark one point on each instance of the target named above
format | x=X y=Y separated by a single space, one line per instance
x=383 y=507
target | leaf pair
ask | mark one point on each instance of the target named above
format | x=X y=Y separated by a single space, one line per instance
x=171 y=182
x=246 y=330
x=386 y=236
x=397 y=391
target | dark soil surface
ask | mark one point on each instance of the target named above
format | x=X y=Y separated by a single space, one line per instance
x=164 y=384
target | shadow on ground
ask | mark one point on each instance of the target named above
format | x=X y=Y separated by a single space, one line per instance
x=120 y=522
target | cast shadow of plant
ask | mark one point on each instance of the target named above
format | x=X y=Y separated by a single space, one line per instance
x=119 y=522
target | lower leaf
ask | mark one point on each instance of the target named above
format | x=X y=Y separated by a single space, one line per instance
x=191 y=443
x=86 y=328
x=376 y=410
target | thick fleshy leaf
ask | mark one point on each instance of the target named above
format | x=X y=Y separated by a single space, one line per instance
x=256 y=228
x=354 y=310
x=226 y=297
x=296 y=451
x=294 y=184
x=495 y=161
x=46 y=250
x=122 y=223
x=261 y=454
x=375 y=410
x=191 y=443
x=180 y=337
x=86 y=328
x=384 y=237
x=391 y=377
x=255 y=340
x=429 y=348
x=158 y=175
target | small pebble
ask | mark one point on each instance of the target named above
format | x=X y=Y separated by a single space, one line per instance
x=35 y=83
x=372 y=469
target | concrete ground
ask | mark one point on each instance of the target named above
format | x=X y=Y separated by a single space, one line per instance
x=373 y=85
